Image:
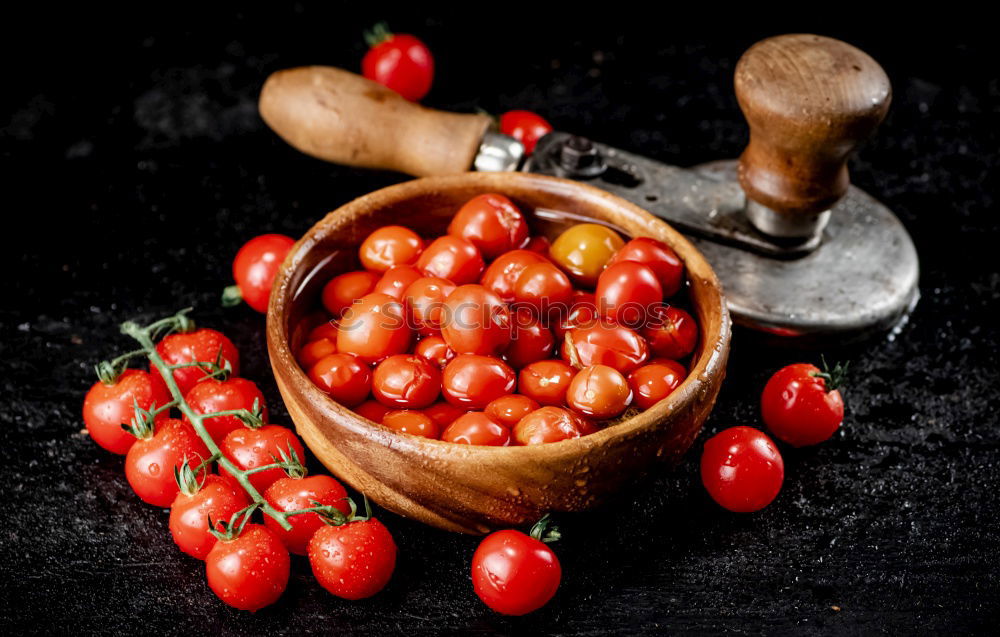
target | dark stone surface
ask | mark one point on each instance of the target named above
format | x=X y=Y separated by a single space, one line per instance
x=134 y=166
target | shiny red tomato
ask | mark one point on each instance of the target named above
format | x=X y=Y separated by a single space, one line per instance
x=406 y=381
x=476 y=428
x=150 y=462
x=538 y=244
x=526 y=127
x=551 y=424
x=389 y=246
x=353 y=560
x=530 y=340
x=251 y=448
x=311 y=353
x=605 y=343
x=443 y=414
x=492 y=223
x=342 y=290
x=627 y=293
x=582 y=313
x=475 y=321
x=544 y=289
x=503 y=273
x=742 y=469
x=374 y=328
x=655 y=380
x=412 y=421
x=372 y=410
x=509 y=410
x=202 y=345
x=255 y=265
x=107 y=407
x=435 y=350
x=671 y=333
x=599 y=392
x=659 y=257
x=396 y=279
x=400 y=62
x=514 y=573
x=424 y=300
x=345 y=377
x=471 y=381
x=294 y=494
x=801 y=404
x=251 y=571
x=218 y=498
x=546 y=381
x=452 y=258
x=326 y=330
x=212 y=395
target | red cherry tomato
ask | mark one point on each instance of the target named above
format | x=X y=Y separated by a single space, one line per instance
x=503 y=273
x=435 y=350
x=107 y=407
x=255 y=265
x=342 y=290
x=452 y=258
x=492 y=223
x=396 y=279
x=150 y=462
x=425 y=302
x=582 y=313
x=475 y=321
x=526 y=127
x=293 y=494
x=372 y=410
x=551 y=424
x=251 y=571
x=374 y=328
x=400 y=62
x=344 y=377
x=218 y=498
x=250 y=448
x=605 y=343
x=546 y=381
x=212 y=395
x=354 y=560
x=742 y=469
x=476 y=428
x=326 y=330
x=530 y=340
x=599 y=392
x=509 y=410
x=406 y=381
x=799 y=407
x=411 y=421
x=543 y=288
x=471 y=381
x=201 y=345
x=443 y=414
x=656 y=380
x=312 y=352
x=627 y=293
x=389 y=246
x=514 y=573
x=538 y=244
x=659 y=257
x=671 y=333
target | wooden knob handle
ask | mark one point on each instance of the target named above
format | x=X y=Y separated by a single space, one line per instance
x=809 y=100
x=344 y=118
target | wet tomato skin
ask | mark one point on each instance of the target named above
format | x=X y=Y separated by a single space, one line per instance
x=218 y=498
x=389 y=246
x=798 y=408
x=201 y=345
x=255 y=266
x=345 y=377
x=544 y=288
x=211 y=395
x=655 y=380
x=327 y=330
x=584 y=249
x=526 y=127
x=374 y=328
x=150 y=463
x=250 y=448
x=605 y=343
x=551 y=424
x=582 y=313
x=452 y=258
x=412 y=421
x=443 y=413
x=354 y=560
x=492 y=223
x=107 y=407
x=477 y=428
x=477 y=322
x=424 y=300
x=342 y=290
x=471 y=381
x=501 y=276
x=406 y=381
x=672 y=333
x=538 y=244
x=546 y=381
x=293 y=494
x=372 y=410
x=402 y=63
x=659 y=257
x=311 y=353
x=395 y=281
x=627 y=292
x=251 y=571
x=509 y=410
x=599 y=392
x=513 y=573
x=435 y=350
x=742 y=469
x=530 y=340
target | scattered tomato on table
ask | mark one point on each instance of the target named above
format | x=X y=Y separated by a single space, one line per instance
x=352 y=556
x=526 y=127
x=254 y=269
x=742 y=469
x=516 y=573
x=400 y=62
x=801 y=404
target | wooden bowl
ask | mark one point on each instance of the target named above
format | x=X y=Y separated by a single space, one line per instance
x=468 y=488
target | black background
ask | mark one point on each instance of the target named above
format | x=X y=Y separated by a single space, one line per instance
x=134 y=165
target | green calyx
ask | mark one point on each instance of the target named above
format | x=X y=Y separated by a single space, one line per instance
x=142 y=425
x=544 y=531
x=231 y=296
x=834 y=378
x=377 y=35
x=231 y=530
x=335 y=517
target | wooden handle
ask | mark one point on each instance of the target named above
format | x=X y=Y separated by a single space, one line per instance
x=344 y=118
x=809 y=100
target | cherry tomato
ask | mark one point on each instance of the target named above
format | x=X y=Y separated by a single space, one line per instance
x=372 y=410
x=425 y=302
x=107 y=407
x=605 y=343
x=582 y=313
x=471 y=381
x=396 y=279
x=400 y=62
x=546 y=381
x=354 y=560
x=443 y=414
x=150 y=462
x=452 y=258
x=503 y=273
x=543 y=288
x=627 y=293
x=344 y=377
x=526 y=127
x=435 y=350
x=799 y=407
x=530 y=340
x=599 y=392
x=742 y=469
x=656 y=380
x=514 y=573
x=476 y=428
x=584 y=249
x=250 y=448
x=201 y=345
x=492 y=223
x=538 y=244
x=293 y=494
x=342 y=290
x=659 y=257
x=476 y=321
x=389 y=246
x=551 y=424
x=211 y=395
x=255 y=265
x=312 y=352
x=251 y=571
x=411 y=421
x=509 y=410
x=406 y=381
x=671 y=333
x=326 y=330
x=218 y=498
x=374 y=328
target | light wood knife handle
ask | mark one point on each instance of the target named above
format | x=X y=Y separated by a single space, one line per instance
x=344 y=118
